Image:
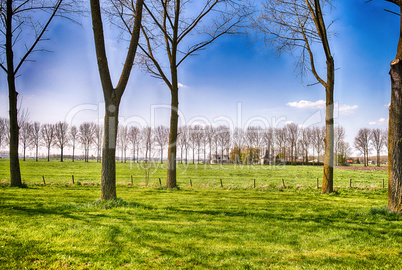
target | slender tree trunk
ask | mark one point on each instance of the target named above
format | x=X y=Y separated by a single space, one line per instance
x=108 y=178
x=395 y=137
x=73 y=153
x=161 y=155
x=48 y=153
x=24 y=152
x=36 y=152
x=328 y=179
x=171 y=170
x=61 y=154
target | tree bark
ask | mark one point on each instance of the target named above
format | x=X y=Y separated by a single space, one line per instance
x=174 y=116
x=15 y=172
x=108 y=179
x=395 y=140
x=328 y=178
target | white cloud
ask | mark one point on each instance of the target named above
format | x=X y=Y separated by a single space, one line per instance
x=381 y=121
x=347 y=109
x=181 y=85
x=305 y=104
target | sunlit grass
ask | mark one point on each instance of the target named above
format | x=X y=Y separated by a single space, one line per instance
x=62 y=226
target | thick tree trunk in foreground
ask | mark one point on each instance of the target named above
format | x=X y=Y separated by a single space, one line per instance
x=15 y=172
x=328 y=178
x=395 y=140
x=172 y=150
x=108 y=179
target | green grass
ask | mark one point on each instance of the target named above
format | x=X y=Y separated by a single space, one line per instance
x=61 y=226
x=204 y=227
x=233 y=176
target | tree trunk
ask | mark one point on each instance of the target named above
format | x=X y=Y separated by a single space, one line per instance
x=36 y=152
x=395 y=140
x=108 y=178
x=171 y=170
x=61 y=154
x=328 y=179
x=73 y=153
x=15 y=172
x=161 y=155
x=48 y=153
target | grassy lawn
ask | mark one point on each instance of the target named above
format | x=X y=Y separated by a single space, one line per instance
x=61 y=226
x=204 y=227
x=233 y=176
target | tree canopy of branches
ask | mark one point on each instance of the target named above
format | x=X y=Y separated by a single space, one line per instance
x=295 y=26
x=23 y=26
x=173 y=31
x=112 y=95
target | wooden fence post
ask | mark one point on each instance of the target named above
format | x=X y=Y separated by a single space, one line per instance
x=72 y=178
x=318 y=186
x=191 y=183
x=221 y=183
x=160 y=182
x=350 y=183
x=254 y=183
x=283 y=182
x=132 y=182
x=383 y=183
x=43 y=177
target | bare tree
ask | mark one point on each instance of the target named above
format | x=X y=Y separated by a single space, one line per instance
x=297 y=25
x=48 y=134
x=134 y=138
x=112 y=95
x=210 y=135
x=74 y=137
x=362 y=143
x=147 y=139
x=338 y=140
x=184 y=141
x=25 y=136
x=377 y=141
x=238 y=140
x=23 y=26
x=169 y=31
x=305 y=142
x=293 y=137
x=4 y=130
x=161 y=138
x=98 y=141
x=86 y=137
x=61 y=137
x=268 y=139
x=223 y=139
x=36 y=137
x=318 y=140
x=122 y=142
x=281 y=138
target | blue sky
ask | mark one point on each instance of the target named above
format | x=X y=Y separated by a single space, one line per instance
x=231 y=82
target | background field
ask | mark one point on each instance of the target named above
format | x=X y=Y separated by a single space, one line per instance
x=233 y=176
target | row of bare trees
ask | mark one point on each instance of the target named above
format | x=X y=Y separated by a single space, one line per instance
x=288 y=143
x=367 y=140
x=34 y=135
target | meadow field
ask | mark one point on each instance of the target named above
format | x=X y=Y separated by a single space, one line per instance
x=201 y=175
x=62 y=225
